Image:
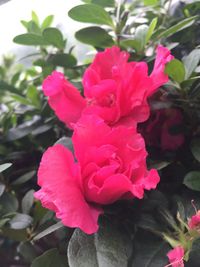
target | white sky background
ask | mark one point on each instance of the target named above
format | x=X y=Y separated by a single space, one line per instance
x=13 y=11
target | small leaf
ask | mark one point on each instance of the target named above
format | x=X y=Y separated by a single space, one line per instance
x=27 y=201
x=2 y=188
x=50 y=258
x=175 y=69
x=47 y=22
x=140 y=35
x=24 y=178
x=48 y=231
x=8 y=203
x=177 y=27
x=94 y=36
x=28 y=251
x=63 y=60
x=151 y=29
x=29 y=39
x=67 y=142
x=20 y=221
x=5 y=166
x=35 y=17
x=54 y=37
x=192 y=180
x=191 y=62
x=195 y=148
x=90 y=13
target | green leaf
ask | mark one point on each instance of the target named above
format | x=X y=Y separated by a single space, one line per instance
x=150 y=2
x=47 y=22
x=24 y=178
x=5 y=166
x=28 y=251
x=151 y=29
x=50 y=258
x=33 y=96
x=63 y=60
x=20 y=221
x=67 y=142
x=20 y=99
x=30 y=39
x=8 y=203
x=27 y=201
x=103 y=3
x=192 y=180
x=48 y=231
x=149 y=250
x=195 y=148
x=94 y=36
x=109 y=247
x=176 y=70
x=140 y=35
x=90 y=13
x=54 y=37
x=2 y=188
x=177 y=27
x=191 y=62
x=35 y=18
x=135 y=44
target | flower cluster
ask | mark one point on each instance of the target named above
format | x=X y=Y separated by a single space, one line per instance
x=110 y=153
x=187 y=237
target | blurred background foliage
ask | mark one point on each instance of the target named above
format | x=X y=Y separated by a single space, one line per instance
x=29 y=234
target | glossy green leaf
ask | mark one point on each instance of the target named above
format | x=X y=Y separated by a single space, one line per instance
x=140 y=35
x=176 y=70
x=5 y=166
x=90 y=13
x=20 y=221
x=2 y=187
x=149 y=250
x=151 y=29
x=54 y=37
x=27 y=201
x=177 y=27
x=192 y=180
x=94 y=36
x=50 y=258
x=191 y=62
x=8 y=203
x=30 y=39
x=24 y=178
x=48 y=231
x=63 y=60
x=109 y=247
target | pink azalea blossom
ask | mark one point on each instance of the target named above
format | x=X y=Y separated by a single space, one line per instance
x=175 y=257
x=111 y=165
x=156 y=130
x=114 y=89
x=194 y=222
x=63 y=98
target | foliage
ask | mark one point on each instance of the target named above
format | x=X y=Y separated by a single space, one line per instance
x=140 y=231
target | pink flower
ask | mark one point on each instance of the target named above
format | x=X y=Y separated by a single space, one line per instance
x=111 y=165
x=63 y=98
x=175 y=257
x=156 y=131
x=114 y=89
x=194 y=222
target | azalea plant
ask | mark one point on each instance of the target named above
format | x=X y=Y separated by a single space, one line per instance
x=100 y=158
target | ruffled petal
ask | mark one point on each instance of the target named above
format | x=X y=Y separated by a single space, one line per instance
x=61 y=190
x=63 y=98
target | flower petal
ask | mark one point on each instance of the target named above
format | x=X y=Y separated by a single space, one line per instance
x=61 y=190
